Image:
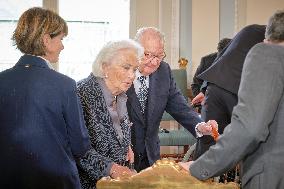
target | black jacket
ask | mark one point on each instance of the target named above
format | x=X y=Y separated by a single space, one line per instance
x=205 y=63
x=226 y=70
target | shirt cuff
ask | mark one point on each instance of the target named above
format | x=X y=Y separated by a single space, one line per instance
x=198 y=133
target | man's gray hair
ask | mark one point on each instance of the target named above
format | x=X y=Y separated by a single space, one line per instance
x=110 y=50
x=154 y=30
x=275 y=27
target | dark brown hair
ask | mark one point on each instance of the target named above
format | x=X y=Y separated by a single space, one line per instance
x=33 y=24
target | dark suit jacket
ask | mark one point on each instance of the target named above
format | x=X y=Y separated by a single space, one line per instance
x=163 y=96
x=42 y=127
x=205 y=63
x=226 y=70
x=255 y=134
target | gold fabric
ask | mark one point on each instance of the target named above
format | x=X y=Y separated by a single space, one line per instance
x=164 y=174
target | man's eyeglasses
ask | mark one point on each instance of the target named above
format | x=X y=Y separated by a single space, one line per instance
x=152 y=56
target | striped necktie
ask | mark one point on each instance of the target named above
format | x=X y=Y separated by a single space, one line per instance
x=142 y=93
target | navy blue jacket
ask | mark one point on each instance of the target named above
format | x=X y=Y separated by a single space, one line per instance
x=42 y=127
x=163 y=96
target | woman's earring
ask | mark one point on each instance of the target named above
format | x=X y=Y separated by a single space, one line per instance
x=106 y=76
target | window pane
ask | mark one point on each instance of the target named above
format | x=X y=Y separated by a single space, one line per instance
x=90 y=28
x=10 y=11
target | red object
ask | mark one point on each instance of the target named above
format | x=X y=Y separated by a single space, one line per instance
x=215 y=133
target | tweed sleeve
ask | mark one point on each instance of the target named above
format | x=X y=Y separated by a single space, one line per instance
x=94 y=165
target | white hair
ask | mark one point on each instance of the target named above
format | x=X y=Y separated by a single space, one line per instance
x=110 y=49
x=153 y=30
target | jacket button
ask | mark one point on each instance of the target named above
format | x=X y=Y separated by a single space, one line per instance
x=204 y=174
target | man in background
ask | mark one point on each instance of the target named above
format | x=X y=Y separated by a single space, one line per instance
x=206 y=61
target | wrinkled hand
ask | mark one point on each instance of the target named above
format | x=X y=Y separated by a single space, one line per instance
x=198 y=99
x=213 y=123
x=118 y=170
x=206 y=128
x=130 y=155
x=186 y=165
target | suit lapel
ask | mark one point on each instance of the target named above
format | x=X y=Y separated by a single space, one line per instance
x=134 y=102
x=152 y=94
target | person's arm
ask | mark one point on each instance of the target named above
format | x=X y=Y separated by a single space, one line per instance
x=260 y=91
x=73 y=116
x=97 y=166
x=177 y=106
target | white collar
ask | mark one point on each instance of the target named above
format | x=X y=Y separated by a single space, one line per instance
x=138 y=74
x=47 y=62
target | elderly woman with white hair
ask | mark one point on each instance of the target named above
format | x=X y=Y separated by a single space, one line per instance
x=103 y=100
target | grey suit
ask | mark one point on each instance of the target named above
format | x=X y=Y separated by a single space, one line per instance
x=255 y=134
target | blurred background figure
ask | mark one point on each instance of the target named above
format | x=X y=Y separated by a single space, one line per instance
x=197 y=86
x=42 y=126
x=104 y=105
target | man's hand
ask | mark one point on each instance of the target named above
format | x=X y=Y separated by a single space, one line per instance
x=198 y=99
x=186 y=165
x=206 y=128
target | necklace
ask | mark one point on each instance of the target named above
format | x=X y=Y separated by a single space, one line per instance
x=114 y=102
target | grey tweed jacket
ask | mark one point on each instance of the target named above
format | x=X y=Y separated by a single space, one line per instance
x=106 y=146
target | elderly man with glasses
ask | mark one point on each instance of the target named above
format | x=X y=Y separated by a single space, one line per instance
x=153 y=92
